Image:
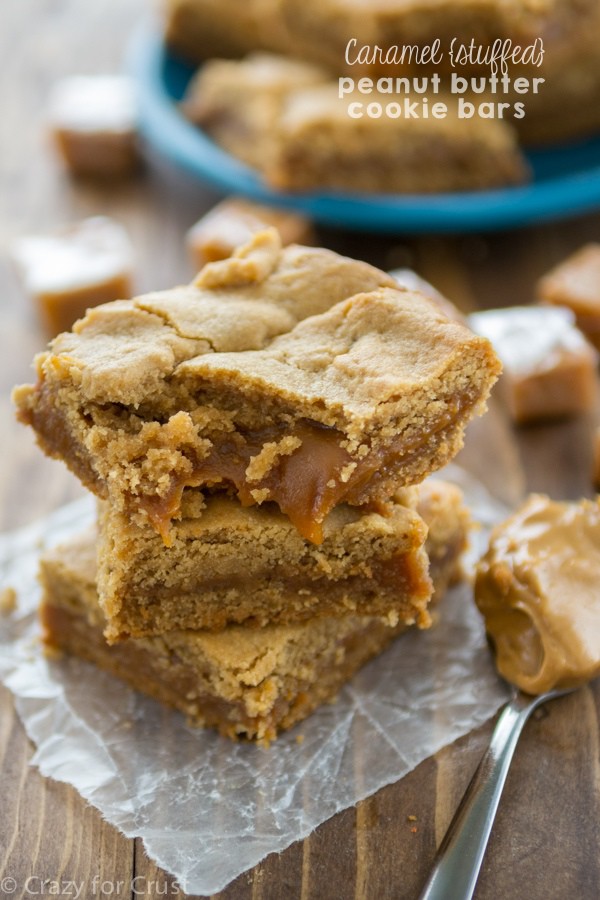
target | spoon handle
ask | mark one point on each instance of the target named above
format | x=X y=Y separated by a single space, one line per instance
x=458 y=860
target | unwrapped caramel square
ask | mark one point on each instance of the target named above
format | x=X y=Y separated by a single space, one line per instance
x=93 y=122
x=232 y=223
x=549 y=368
x=575 y=283
x=75 y=268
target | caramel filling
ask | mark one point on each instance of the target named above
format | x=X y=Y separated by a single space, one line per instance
x=306 y=484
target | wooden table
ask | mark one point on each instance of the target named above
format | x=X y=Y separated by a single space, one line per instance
x=546 y=840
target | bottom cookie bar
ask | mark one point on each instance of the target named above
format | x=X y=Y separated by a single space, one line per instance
x=251 y=682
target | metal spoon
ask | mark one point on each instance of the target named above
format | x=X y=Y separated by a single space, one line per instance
x=459 y=857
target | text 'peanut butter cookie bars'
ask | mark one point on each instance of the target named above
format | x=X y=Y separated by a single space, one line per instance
x=245 y=681
x=292 y=375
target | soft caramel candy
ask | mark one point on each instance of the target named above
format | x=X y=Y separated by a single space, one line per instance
x=537 y=589
x=549 y=369
x=575 y=283
x=80 y=266
x=234 y=221
x=93 y=121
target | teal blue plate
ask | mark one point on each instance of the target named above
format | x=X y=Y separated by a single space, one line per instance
x=566 y=180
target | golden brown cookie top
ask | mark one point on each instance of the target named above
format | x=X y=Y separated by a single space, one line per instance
x=123 y=351
x=365 y=352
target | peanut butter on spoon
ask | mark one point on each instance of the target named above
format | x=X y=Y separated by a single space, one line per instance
x=538 y=589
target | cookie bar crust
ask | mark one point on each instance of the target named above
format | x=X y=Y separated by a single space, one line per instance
x=294 y=376
x=227 y=564
x=250 y=682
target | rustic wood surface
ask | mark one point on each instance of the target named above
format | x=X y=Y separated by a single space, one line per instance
x=546 y=840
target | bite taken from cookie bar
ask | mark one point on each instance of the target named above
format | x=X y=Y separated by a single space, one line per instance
x=294 y=376
x=244 y=681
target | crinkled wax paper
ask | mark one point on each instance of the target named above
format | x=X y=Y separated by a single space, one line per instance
x=205 y=808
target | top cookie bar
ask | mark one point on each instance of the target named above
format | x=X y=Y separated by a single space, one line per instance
x=295 y=376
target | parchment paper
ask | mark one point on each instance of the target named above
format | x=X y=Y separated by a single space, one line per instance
x=207 y=809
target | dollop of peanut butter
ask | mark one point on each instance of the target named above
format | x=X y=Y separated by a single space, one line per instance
x=538 y=589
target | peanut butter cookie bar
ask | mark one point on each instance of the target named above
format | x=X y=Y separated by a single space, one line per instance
x=294 y=376
x=251 y=682
x=226 y=564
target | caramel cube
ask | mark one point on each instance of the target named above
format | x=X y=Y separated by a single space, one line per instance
x=77 y=267
x=93 y=121
x=549 y=369
x=232 y=223
x=575 y=283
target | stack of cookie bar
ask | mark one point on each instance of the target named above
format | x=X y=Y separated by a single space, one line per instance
x=255 y=438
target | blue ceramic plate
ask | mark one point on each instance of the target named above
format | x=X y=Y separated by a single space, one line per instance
x=566 y=179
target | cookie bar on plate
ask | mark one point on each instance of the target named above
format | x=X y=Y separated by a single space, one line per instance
x=287 y=120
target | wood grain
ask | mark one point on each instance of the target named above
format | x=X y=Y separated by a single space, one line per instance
x=545 y=842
